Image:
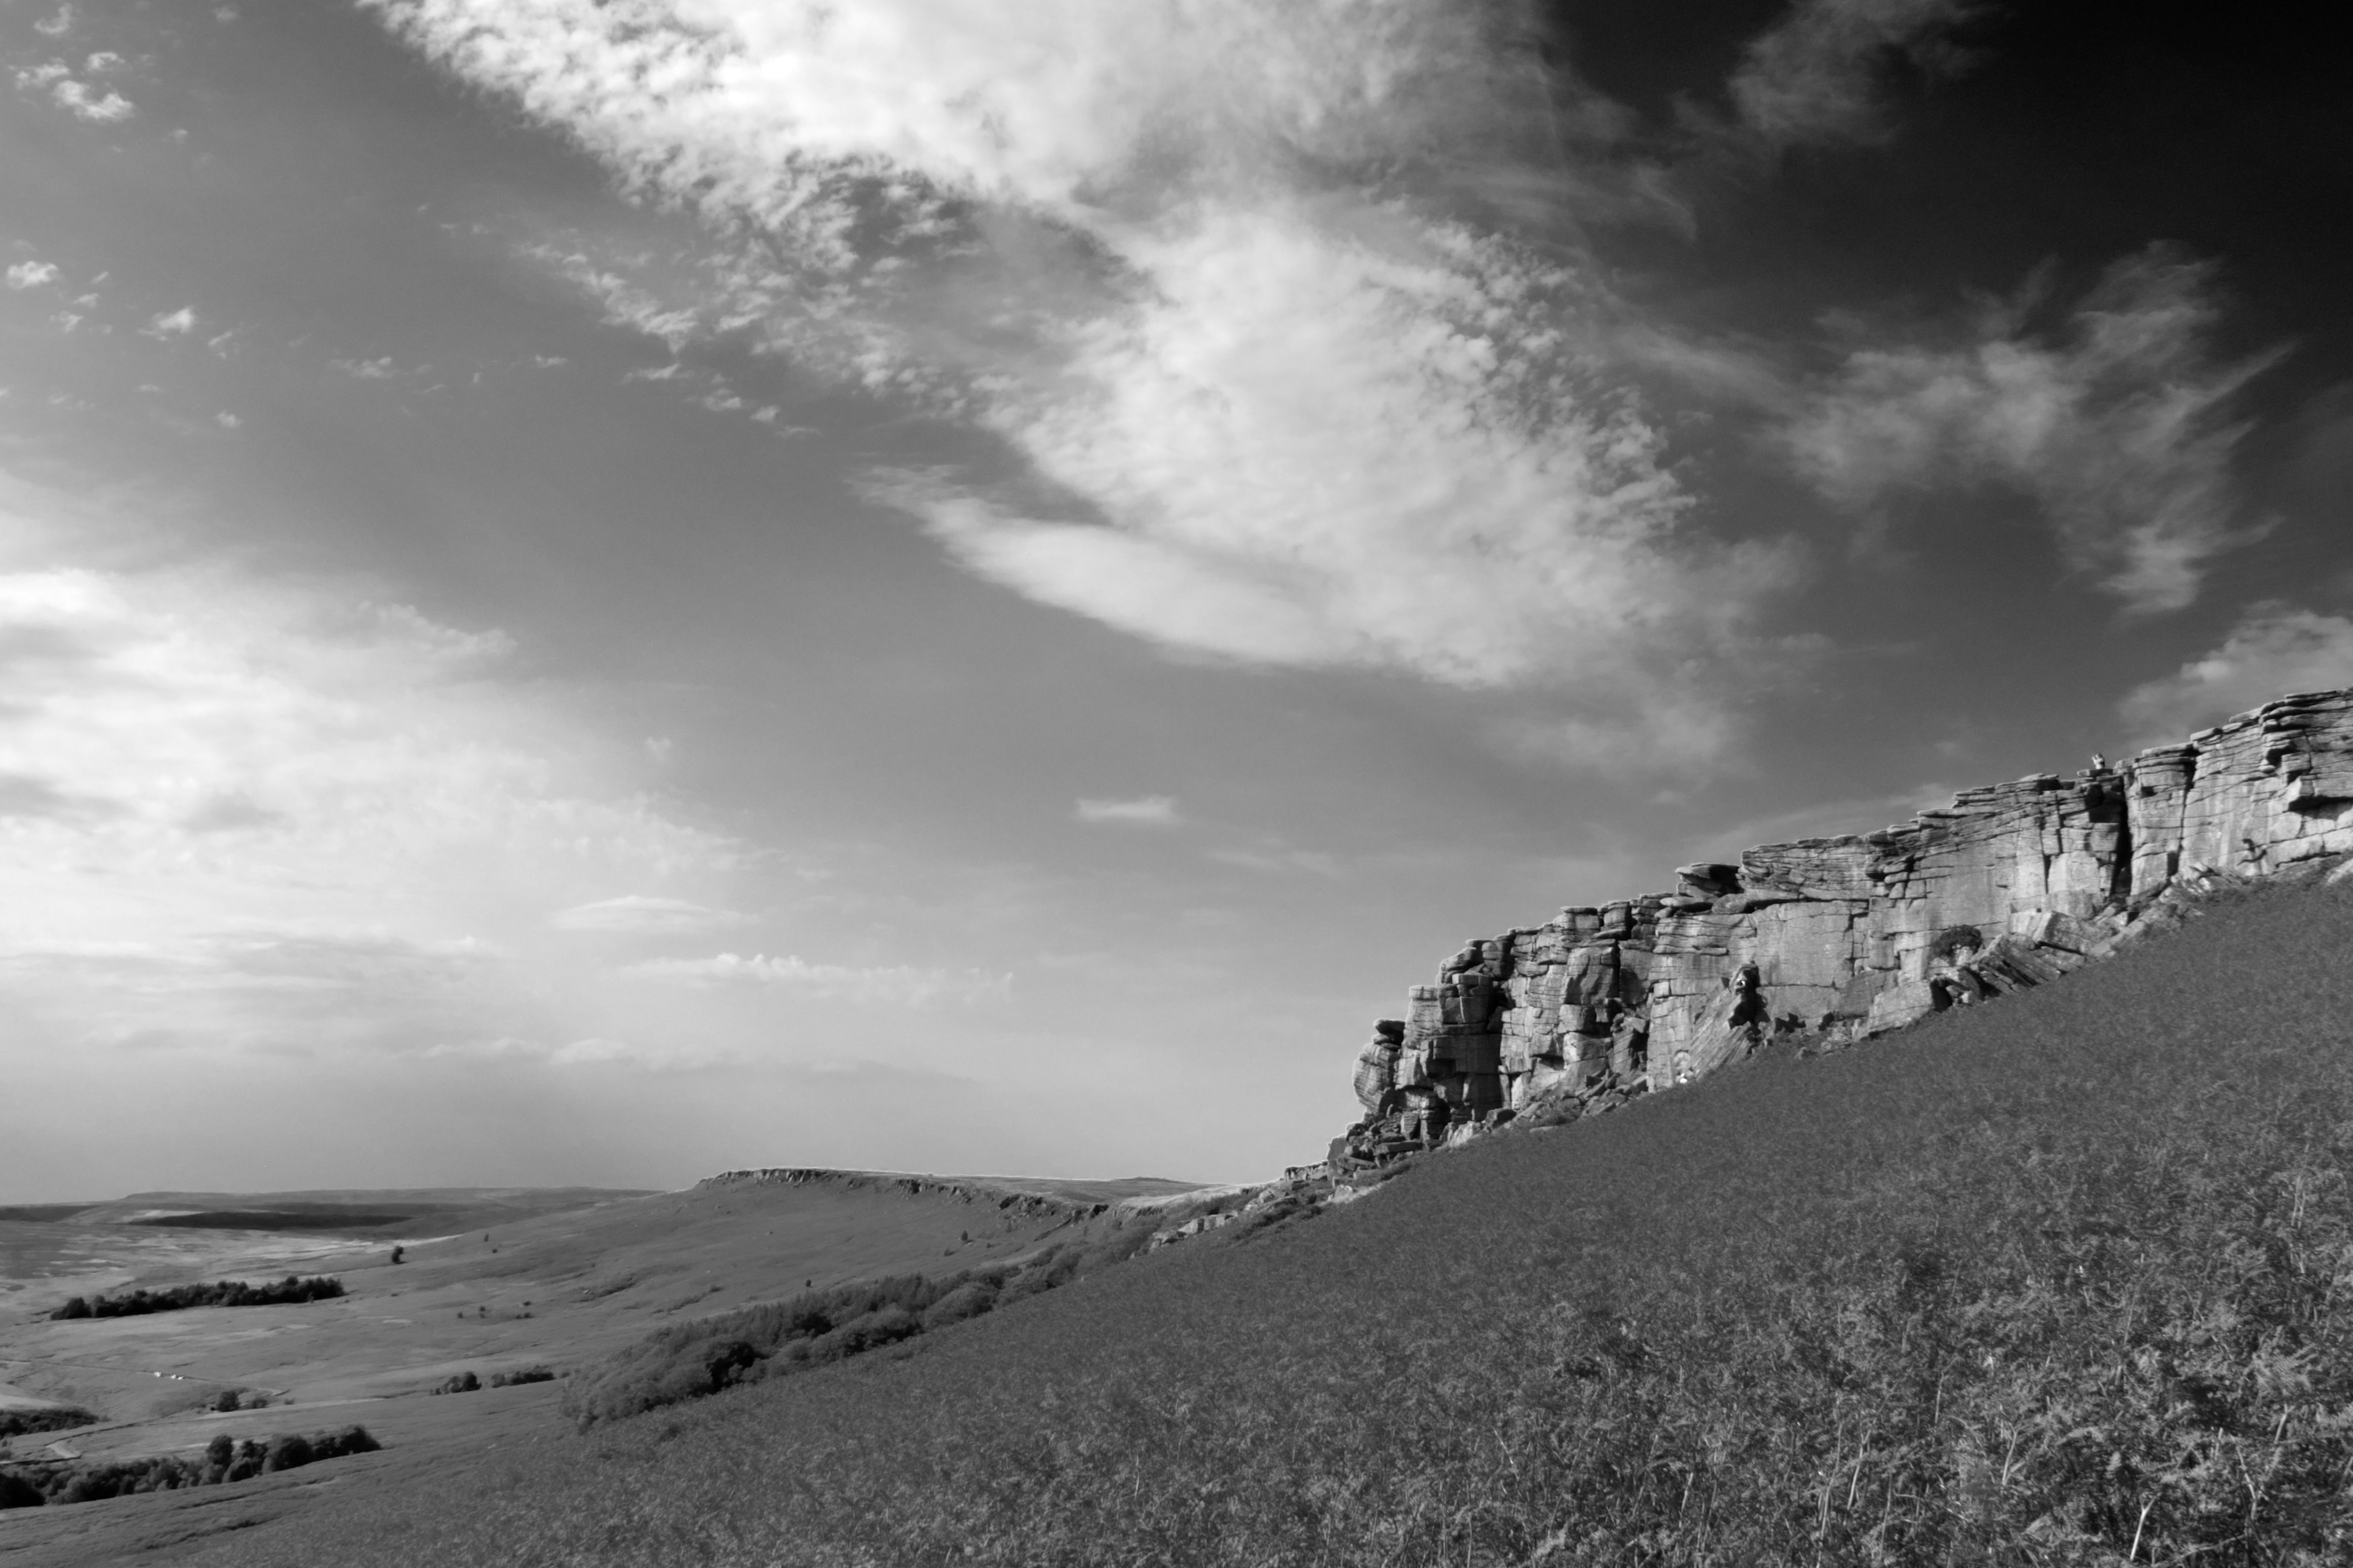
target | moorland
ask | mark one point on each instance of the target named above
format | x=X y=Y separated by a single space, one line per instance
x=2066 y=1279
x=2061 y=1279
x=442 y=1344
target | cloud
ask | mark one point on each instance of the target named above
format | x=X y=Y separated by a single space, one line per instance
x=593 y=1050
x=176 y=323
x=897 y=984
x=110 y=108
x=637 y=914
x=1814 y=77
x=281 y=813
x=56 y=24
x=1280 y=861
x=1146 y=811
x=256 y=988
x=367 y=369
x=1286 y=385
x=2275 y=649
x=30 y=794
x=2117 y=423
x=31 y=275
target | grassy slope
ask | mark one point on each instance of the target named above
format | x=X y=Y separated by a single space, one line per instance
x=563 y=1288
x=2043 y=1283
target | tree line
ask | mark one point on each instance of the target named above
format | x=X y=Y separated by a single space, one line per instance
x=226 y=1458
x=219 y=1293
x=49 y=1418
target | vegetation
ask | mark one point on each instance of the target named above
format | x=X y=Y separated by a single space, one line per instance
x=2065 y=1280
x=817 y=1328
x=1954 y=940
x=520 y=1375
x=229 y=1399
x=220 y=1293
x=50 y=1418
x=225 y=1459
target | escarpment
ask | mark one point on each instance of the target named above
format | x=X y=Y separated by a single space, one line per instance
x=2010 y=887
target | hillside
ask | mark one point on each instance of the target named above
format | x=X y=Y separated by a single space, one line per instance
x=565 y=1285
x=2058 y=1281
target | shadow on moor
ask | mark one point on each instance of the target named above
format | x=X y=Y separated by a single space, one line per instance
x=2058 y=1281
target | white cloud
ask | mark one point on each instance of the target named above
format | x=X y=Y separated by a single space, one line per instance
x=176 y=323
x=894 y=983
x=2274 y=650
x=367 y=369
x=1145 y=811
x=1204 y=267
x=638 y=914
x=110 y=108
x=26 y=275
x=1278 y=861
x=1814 y=76
x=56 y=24
x=245 y=811
x=2119 y=426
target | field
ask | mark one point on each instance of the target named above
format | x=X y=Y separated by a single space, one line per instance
x=561 y=1281
x=2066 y=1279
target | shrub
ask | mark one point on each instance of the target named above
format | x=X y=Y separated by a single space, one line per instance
x=522 y=1374
x=969 y=1299
x=289 y=1452
x=1953 y=940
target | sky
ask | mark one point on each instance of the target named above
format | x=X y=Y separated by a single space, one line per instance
x=603 y=592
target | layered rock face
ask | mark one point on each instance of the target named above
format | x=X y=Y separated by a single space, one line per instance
x=2009 y=887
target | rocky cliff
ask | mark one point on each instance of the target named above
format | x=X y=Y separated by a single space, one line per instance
x=2010 y=887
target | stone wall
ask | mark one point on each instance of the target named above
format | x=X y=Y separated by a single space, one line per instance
x=2009 y=887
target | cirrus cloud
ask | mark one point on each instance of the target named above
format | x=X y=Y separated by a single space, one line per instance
x=1284 y=387
x=1814 y=76
x=2119 y=425
x=2276 y=649
x=638 y=914
x=898 y=984
x=1144 y=811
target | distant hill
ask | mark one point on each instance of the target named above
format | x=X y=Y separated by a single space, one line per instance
x=392 y=1213
x=2058 y=1281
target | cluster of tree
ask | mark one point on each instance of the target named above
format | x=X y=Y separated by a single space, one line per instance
x=219 y=1293
x=522 y=1374
x=54 y=1418
x=225 y=1459
x=777 y=1338
x=469 y=1383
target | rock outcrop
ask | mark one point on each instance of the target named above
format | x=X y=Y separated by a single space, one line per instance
x=2012 y=885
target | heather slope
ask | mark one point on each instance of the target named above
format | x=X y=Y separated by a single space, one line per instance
x=2051 y=1281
